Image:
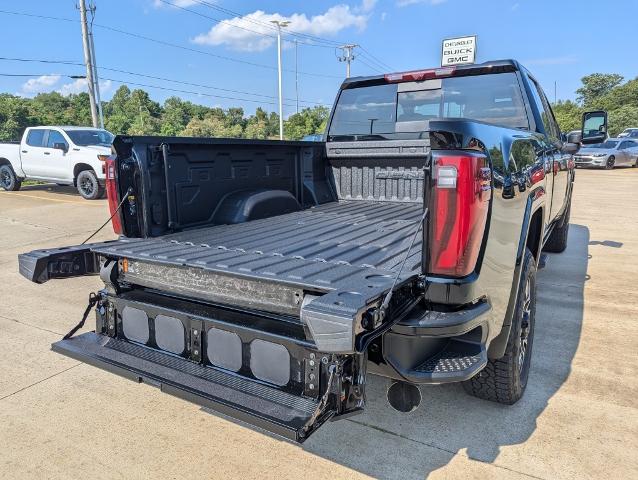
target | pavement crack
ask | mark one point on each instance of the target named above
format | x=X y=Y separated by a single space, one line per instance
x=437 y=447
x=40 y=381
x=30 y=325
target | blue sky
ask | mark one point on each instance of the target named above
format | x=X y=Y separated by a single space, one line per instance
x=548 y=36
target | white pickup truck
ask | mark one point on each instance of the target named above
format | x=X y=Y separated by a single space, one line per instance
x=63 y=155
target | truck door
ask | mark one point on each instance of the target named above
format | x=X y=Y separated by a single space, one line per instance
x=32 y=153
x=560 y=160
x=58 y=160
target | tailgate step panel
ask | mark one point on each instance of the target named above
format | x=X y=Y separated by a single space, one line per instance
x=246 y=400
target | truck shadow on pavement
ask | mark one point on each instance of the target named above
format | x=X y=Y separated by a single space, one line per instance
x=52 y=188
x=386 y=444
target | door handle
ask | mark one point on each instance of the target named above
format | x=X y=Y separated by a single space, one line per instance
x=47 y=153
x=25 y=151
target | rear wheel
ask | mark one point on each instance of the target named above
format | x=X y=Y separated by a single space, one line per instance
x=611 y=161
x=504 y=380
x=8 y=179
x=89 y=186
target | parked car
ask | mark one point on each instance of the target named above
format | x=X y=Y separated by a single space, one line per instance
x=313 y=137
x=629 y=132
x=62 y=155
x=267 y=279
x=612 y=153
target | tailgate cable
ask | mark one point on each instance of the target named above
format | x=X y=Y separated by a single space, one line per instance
x=93 y=299
x=324 y=400
x=128 y=192
x=386 y=301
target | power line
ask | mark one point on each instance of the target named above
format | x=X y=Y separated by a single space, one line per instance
x=227 y=11
x=165 y=43
x=157 y=87
x=370 y=66
x=376 y=59
x=117 y=70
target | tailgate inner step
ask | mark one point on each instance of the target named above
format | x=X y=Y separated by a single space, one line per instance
x=250 y=401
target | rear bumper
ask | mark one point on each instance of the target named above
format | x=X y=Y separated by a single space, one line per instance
x=431 y=347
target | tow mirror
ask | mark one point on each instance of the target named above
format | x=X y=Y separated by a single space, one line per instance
x=61 y=146
x=594 y=127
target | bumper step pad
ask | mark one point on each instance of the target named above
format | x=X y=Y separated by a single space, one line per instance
x=268 y=408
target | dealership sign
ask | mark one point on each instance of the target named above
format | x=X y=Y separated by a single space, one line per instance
x=458 y=51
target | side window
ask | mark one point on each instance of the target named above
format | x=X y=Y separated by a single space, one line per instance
x=55 y=137
x=547 y=117
x=35 y=138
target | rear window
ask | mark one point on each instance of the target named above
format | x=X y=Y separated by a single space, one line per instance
x=35 y=138
x=400 y=109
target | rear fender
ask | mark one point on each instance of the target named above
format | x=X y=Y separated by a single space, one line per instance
x=535 y=201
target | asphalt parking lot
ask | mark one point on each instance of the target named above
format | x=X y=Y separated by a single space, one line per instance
x=578 y=419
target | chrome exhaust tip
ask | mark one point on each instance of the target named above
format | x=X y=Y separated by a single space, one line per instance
x=404 y=397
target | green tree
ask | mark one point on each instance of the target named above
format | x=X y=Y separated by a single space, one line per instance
x=621 y=118
x=175 y=116
x=14 y=117
x=308 y=121
x=595 y=86
x=568 y=115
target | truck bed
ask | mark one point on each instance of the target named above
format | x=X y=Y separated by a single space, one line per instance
x=344 y=245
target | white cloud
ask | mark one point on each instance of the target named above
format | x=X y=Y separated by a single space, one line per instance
x=40 y=84
x=79 y=85
x=405 y=3
x=367 y=6
x=334 y=20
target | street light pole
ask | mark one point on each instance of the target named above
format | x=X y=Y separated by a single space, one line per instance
x=280 y=24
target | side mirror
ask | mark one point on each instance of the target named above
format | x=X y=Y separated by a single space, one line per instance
x=594 y=127
x=61 y=146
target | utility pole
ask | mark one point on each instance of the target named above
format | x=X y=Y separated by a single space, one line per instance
x=96 y=86
x=87 y=60
x=347 y=55
x=296 y=76
x=280 y=24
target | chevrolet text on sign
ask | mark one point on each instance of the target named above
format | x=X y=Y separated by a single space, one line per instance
x=458 y=51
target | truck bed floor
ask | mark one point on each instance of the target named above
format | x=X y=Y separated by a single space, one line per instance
x=319 y=246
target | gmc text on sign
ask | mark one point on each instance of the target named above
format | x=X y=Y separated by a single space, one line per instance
x=458 y=51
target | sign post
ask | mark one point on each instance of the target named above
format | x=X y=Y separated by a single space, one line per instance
x=458 y=51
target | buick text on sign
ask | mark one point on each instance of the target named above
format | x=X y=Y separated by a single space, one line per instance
x=458 y=51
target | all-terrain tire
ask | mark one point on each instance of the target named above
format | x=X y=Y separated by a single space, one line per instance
x=557 y=241
x=89 y=186
x=504 y=380
x=8 y=179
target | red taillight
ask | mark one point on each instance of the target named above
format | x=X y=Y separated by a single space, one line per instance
x=460 y=201
x=419 y=75
x=111 y=193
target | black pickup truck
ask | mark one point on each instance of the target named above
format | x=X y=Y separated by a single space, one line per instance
x=266 y=279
